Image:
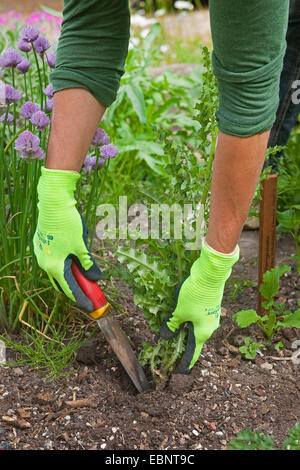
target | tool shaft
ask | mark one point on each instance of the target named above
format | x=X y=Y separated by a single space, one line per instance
x=111 y=330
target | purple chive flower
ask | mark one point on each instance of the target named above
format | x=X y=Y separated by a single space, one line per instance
x=28 y=145
x=100 y=138
x=49 y=105
x=11 y=94
x=24 y=66
x=40 y=120
x=39 y=154
x=89 y=163
x=10 y=58
x=51 y=58
x=41 y=45
x=10 y=118
x=29 y=34
x=108 y=151
x=28 y=109
x=24 y=46
x=49 y=91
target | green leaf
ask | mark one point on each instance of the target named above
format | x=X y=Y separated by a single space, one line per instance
x=293 y=441
x=290 y=219
x=136 y=96
x=51 y=11
x=270 y=285
x=293 y=319
x=245 y=318
x=248 y=440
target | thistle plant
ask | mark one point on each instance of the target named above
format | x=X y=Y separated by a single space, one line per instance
x=164 y=262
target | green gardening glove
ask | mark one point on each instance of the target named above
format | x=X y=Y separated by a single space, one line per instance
x=60 y=236
x=199 y=302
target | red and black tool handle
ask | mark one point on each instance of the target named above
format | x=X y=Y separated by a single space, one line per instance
x=93 y=291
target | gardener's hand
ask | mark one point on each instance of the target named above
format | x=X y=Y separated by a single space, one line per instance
x=60 y=235
x=199 y=303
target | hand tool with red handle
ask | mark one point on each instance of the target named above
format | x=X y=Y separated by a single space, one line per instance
x=111 y=330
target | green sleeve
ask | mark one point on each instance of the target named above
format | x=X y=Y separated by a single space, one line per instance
x=93 y=47
x=248 y=49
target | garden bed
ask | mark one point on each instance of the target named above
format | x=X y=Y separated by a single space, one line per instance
x=223 y=395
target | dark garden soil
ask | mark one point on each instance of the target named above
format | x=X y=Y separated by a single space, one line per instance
x=97 y=407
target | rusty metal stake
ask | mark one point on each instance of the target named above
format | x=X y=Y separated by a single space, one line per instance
x=267 y=232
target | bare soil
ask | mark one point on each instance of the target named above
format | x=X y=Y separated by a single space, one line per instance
x=97 y=407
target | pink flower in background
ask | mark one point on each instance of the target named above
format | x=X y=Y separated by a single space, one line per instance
x=3 y=19
x=39 y=16
x=34 y=18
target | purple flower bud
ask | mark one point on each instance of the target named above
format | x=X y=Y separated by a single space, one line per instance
x=41 y=45
x=39 y=154
x=49 y=104
x=29 y=34
x=28 y=109
x=49 y=91
x=108 y=151
x=24 y=66
x=27 y=144
x=24 y=46
x=10 y=58
x=51 y=58
x=100 y=138
x=11 y=94
x=89 y=163
x=9 y=120
x=40 y=120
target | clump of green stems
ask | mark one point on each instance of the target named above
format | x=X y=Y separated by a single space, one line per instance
x=20 y=277
x=162 y=264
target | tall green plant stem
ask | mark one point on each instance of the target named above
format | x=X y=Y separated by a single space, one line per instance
x=2 y=195
x=28 y=186
x=209 y=167
x=30 y=79
x=39 y=74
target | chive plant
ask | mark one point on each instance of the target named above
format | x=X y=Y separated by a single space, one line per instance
x=26 y=102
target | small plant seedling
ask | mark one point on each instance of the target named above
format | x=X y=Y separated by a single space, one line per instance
x=250 y=348
x=270 y=323
x=238 y=285
x=248 y=440
x=289 y=221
